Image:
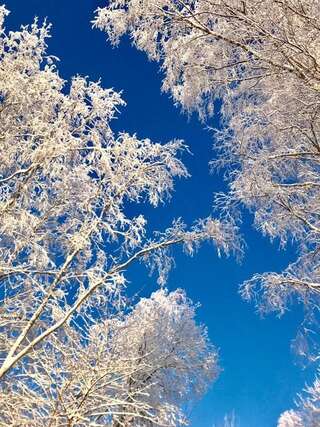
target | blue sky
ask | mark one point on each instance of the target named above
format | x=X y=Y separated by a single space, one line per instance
x=260 y=376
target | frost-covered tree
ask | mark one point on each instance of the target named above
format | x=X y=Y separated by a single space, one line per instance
x=132 y=369
x=262 y=60
x=66 y=233
x=308 y=412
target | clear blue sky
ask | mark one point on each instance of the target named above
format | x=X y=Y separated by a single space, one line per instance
x=260 y=378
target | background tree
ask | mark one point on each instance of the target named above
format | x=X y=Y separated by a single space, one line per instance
x=262 y=60
x=229 y=420
x=308 y=412
x=67 y=184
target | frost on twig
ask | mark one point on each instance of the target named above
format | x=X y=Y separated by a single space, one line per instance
x=128 y=369
x=307 y=413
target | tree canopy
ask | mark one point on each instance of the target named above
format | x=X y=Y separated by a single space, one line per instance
x=74 y=349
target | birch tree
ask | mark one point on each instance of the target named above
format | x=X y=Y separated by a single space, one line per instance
x=262 y=60
x=131 y=369
x=67 y=236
